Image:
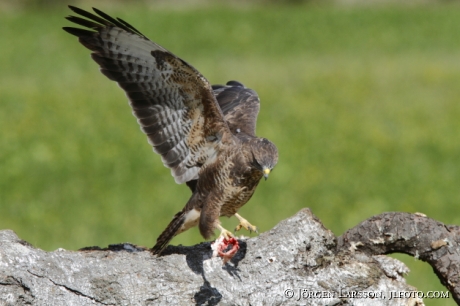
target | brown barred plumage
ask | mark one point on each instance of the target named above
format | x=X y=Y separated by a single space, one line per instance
x=204 y=134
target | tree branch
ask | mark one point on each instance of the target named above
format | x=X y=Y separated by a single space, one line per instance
x=414 y=234
x=297 y=262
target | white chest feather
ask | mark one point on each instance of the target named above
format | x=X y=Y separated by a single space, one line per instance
x=191 y=219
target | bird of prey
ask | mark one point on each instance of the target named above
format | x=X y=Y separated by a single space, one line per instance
x=205 y=134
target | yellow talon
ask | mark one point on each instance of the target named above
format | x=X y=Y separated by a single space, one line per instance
x=244 y=223
x=225 y=233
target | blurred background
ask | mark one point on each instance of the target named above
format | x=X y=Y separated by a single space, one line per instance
x=361 y=97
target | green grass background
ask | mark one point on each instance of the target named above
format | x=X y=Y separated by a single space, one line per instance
x=362 y=102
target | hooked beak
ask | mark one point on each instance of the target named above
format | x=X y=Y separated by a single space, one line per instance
x=266 y=173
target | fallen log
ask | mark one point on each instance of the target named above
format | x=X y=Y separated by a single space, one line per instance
x=299 y=261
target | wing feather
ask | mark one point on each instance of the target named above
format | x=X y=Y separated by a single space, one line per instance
x=173 y=103
x=240 y=106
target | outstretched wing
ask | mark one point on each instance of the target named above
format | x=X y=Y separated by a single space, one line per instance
x=173 y=103
x=240 y=106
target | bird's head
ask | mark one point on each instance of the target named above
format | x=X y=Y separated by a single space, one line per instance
x=265 y=156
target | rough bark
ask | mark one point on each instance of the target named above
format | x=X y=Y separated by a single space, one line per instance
x=414 y=234
x=298 y=254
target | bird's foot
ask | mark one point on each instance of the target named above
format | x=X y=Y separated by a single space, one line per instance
x=245 y=223
x=225 y=233
x=222 y=243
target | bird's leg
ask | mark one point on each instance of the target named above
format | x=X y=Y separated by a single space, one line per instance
x=225 y=239
x=244 y=223
x=225 y=233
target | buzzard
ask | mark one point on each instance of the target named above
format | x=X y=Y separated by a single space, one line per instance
x=205 y=134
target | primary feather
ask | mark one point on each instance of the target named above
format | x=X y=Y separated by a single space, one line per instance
x=169 y=97
x=204 y=134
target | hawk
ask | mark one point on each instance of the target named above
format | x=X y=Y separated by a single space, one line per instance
x=205 y=134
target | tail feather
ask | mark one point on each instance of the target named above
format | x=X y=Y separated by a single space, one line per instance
x=171 y=230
